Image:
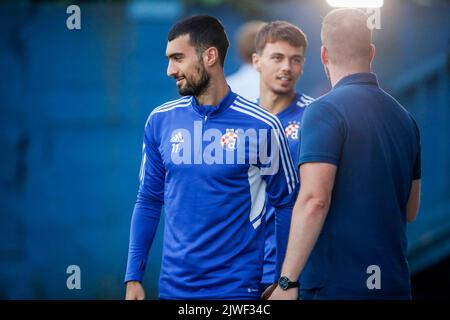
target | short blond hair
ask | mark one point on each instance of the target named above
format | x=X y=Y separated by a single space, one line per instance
x=346 y=36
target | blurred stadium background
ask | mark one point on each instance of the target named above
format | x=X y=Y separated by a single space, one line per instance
x=73 y=104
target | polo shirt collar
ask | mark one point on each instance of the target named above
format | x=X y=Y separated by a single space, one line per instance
x=358 y=78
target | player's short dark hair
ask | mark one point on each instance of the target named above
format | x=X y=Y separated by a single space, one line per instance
x=204 y=32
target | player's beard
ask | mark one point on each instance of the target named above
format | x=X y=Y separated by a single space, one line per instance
x=195 y=87
x=282 y=91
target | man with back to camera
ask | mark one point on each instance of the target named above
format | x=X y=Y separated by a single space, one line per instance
x=280 y=54
x=214 y=201
x=360 y=173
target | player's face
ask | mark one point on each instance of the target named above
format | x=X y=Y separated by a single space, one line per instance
x=280 y=66
x=186 y=67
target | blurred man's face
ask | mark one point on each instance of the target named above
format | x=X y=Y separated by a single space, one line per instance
x=280 y=66
x=186 y=67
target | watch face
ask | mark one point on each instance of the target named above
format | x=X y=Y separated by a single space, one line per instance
x=283 y=283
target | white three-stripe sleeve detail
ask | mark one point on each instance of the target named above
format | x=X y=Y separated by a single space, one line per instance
x=288 y=180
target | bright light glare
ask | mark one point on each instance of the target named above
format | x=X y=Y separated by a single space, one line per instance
x=356 y=3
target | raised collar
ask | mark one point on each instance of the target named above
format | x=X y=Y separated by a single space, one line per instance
x=292 y=106
x=210 y=110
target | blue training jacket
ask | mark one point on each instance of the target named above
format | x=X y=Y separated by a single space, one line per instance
x=212 y=168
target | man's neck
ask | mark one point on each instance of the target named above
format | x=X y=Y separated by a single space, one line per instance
x=275 y=103
x=336 y=73
x=217 y=90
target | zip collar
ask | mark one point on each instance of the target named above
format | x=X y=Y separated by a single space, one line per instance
x=211 y=110
x=292 y=106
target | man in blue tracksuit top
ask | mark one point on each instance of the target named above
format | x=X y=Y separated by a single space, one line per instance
x=360 y=176
x=211 y=158
x=279 y=58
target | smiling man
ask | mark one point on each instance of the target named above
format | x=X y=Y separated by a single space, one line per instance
x=211 y=158
x=280 y=55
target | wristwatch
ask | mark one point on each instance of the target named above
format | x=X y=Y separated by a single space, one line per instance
x=285 y=283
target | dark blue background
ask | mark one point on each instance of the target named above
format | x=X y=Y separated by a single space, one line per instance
x=73 y=104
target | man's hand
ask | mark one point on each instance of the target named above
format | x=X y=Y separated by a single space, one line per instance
x=266 y=294
x=279 y=294
x=135 y=291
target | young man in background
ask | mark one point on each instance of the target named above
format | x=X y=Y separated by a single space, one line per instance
x=280 y=55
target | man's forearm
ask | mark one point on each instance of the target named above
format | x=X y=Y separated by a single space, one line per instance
x=282 y=225
x=308 y=218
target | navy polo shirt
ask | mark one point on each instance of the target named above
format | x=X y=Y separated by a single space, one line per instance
x=374 y=142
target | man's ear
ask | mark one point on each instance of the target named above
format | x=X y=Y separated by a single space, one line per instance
x=324 y=55
x=211 y=56
x=256 y=62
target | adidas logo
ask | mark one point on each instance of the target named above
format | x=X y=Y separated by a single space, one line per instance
x=177 y=138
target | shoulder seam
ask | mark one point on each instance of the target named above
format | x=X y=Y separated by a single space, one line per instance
x=183 y=102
